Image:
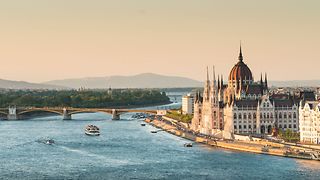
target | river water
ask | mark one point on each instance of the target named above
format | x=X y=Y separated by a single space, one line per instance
x=127 y=150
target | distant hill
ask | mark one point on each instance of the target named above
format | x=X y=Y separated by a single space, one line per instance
x=146 y=80
x=296 y=83
x=7 y=84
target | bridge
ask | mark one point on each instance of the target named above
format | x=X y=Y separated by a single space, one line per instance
x=14 y=113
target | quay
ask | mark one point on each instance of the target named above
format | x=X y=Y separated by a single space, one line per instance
x=252 y=145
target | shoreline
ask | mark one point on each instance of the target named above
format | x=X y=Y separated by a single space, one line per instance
x=260 y=146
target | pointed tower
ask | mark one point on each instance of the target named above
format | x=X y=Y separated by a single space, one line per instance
x=214 y=89
x=206 y=92
x=240 y=54
x=266 y=81
x=219 y=82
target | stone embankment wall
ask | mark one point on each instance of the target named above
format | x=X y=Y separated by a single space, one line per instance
x=255 y=145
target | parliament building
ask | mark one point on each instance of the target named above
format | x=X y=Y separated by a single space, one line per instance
x=242 y=105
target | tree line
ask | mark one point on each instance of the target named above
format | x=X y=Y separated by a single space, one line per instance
x=82 y=98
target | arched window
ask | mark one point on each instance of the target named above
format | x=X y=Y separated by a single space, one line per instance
x=285 y=115
x=290 y=116
x=249 y=116
x=244 y=116
x=264 y=115
x=294 y=115
x=239 y=116
x=280 y=126
x=280 y=115
x=254 y=116
x=260 y=115
x=234 y=116
x=271 y=115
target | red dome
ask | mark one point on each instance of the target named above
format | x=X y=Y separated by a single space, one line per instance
x=240 y=71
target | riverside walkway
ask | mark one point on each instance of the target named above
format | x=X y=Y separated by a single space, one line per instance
x=260 y=146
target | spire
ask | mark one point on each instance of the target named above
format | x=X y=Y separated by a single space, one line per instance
x=219 y=81
x=214 y=74
x=266 y=80
x=207 y=74
x=240 y=54
x=261 y=82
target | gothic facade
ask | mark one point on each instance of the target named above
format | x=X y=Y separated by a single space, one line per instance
x=242 y=105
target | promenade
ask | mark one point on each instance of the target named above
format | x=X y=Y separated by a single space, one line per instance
x=259 y=146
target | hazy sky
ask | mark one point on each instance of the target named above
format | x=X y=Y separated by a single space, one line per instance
x=54 y=39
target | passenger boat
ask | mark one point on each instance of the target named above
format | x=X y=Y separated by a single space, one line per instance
x=142 y=124
x=92 y=130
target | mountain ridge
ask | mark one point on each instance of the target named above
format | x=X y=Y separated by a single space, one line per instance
x=10 y=84
x=144 y=80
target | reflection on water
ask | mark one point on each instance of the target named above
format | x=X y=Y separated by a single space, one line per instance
x=307 y=164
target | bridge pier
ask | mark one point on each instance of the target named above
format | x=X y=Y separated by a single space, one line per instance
x=12 y=115
x=115 y=115
x=66 y=115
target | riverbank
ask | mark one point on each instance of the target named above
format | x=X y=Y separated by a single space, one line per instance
x=256 y=145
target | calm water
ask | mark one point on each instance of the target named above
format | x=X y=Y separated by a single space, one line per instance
x=126 y=150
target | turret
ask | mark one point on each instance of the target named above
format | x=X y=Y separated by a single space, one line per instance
x=219 y=87
x=266 y=81
x=221 y=81
x=206 y=92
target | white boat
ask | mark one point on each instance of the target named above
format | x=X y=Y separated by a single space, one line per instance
x=92 y=130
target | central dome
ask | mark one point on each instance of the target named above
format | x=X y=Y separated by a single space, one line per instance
x=240 y=71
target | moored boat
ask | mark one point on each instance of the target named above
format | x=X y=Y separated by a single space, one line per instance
x=188 y=145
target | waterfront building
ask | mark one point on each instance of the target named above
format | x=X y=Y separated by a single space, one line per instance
x=188 y=104
x=309 y=120
x=243 y=106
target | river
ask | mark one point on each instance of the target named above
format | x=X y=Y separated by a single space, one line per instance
x=127 y=150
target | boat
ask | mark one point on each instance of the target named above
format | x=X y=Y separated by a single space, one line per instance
x=153 y=131
x=49 y=141
x=92 y=130
x=142 y=124
x=188 y=145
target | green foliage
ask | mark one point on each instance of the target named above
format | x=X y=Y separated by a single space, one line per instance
x=85 y=98
x=186 y=118
x=288 y=135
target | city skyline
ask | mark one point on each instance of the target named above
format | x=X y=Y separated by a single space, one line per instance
x=46 y=40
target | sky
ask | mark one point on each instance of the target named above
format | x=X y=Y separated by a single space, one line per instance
x=42 y=40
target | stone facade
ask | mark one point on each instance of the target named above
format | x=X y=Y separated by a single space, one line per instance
x=242 y=106
x=309 y=120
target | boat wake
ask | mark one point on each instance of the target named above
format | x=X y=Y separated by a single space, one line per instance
x=111 y=161
x=20 y=145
